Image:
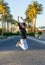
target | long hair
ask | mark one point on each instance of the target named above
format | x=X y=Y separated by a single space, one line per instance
x=24 y=23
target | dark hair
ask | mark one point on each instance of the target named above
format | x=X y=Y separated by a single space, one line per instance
x=24 y=24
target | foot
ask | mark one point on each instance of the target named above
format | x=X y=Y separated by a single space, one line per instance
x=17 y=44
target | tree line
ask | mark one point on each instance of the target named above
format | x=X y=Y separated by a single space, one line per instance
x=31 y=14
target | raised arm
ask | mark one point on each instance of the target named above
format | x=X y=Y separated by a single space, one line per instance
x=19 y=23
x=22 y=19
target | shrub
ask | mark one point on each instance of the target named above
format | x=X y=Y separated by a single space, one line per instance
x=30 y=33
x=39 y=33
x=10 y=33
x=7 y=34
x=17 y=33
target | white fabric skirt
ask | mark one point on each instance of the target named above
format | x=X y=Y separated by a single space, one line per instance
x=24 y=44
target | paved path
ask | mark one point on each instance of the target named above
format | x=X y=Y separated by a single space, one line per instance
x=11 y=55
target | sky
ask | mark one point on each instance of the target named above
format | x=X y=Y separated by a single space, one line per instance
x=18 y=8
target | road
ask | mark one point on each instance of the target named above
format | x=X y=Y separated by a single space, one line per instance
x=12 y=55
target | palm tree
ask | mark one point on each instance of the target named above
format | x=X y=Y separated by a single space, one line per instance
x=9 y=18
x=32 y=11
x=13 y=22
x=29 y=23
x=4 y=9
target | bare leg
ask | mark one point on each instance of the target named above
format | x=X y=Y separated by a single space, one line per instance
x=18 y=44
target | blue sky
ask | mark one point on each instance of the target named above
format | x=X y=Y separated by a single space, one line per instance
x=18 y=8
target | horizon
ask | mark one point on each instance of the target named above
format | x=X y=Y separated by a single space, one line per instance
x=18 y=8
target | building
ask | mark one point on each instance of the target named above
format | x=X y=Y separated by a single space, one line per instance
x=42 y=28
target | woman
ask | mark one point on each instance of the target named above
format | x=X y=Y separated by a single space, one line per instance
x=23 y=42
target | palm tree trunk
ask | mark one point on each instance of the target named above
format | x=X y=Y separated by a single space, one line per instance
x=34 y=26
x=3 y=24
x=7 y=26
x=2 y=27
x=11 y=27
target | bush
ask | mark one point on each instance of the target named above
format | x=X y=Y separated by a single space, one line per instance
x=31 y=33
x=10 y=33
x=39 y=33
x=7 y=34
x=17 y=33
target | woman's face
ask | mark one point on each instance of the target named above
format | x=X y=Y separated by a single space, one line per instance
x=23 y=26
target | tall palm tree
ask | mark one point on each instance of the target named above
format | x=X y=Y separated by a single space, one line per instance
x=13 y=22
x=9 y=18
x=29 y=23
x=4 y=9
x=32 y=11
